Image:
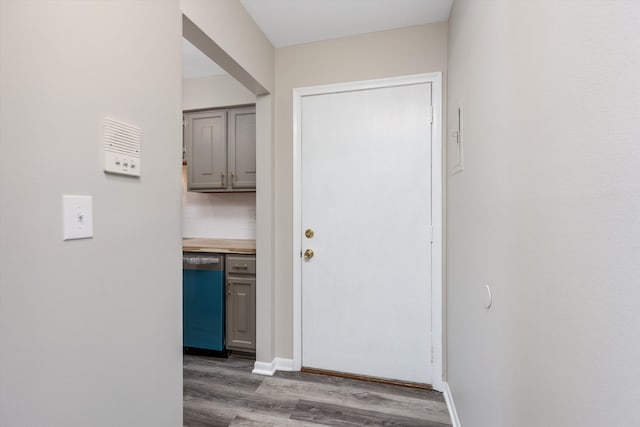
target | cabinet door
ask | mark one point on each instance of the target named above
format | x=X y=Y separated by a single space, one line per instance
x=242 y=148
x=241 y=313
x=207 y=150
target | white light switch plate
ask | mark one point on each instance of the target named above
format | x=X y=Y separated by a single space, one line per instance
x=77 y=215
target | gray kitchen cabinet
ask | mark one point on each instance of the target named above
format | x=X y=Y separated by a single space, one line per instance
x=206 y=145
x=221 y=150
x=241 y=303
x=242 y=148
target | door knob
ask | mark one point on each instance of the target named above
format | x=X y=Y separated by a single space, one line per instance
x=309 y=233
x=308 y=254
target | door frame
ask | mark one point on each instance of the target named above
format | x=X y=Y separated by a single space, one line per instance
x=436 y=208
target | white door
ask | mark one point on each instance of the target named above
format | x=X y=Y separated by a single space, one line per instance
x=366 y=194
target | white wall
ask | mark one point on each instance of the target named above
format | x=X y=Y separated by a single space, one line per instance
x=213 y=92
x=546 y=212
x=90 y=330
x=221 y=215
x=406 y=51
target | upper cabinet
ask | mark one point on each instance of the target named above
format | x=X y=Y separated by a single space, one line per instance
x=206 y=145
x=242 y=148
x=221 y=150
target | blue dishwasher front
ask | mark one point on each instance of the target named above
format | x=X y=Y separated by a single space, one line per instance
x=203 y=301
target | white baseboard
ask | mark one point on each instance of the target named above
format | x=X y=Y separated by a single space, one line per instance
x=264 y=368
x=270 y=368
x=448 y=397
x=283 y=364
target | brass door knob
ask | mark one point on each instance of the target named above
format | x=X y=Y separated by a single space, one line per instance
x=308 y=254
x=309 y=233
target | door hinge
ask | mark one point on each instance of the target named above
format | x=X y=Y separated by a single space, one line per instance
x=430 y=114
x=185 y=122
x=430 y=234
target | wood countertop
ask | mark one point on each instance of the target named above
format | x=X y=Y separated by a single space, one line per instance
x=223 y=246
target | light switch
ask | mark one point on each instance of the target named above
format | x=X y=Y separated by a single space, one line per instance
x=77 y=216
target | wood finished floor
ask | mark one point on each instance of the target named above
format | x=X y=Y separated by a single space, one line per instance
x=224 y=392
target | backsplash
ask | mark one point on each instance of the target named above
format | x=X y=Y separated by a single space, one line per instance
x=217 y=215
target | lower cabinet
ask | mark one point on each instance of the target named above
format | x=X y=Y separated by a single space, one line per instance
x=241 y=303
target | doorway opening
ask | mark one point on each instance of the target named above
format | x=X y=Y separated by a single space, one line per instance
x=263 y=195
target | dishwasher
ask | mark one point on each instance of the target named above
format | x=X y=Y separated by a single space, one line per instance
x=203 y=301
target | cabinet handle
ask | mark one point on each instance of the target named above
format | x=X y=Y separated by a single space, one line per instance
x=233 y=178
x=240 y=267
x=222 y=177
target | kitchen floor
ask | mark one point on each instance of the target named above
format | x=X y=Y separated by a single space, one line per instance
x=224 y=392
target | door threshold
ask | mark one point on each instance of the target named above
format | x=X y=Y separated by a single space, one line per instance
x=367 y=378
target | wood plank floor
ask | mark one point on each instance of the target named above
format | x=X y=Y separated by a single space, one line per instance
x=224 y=392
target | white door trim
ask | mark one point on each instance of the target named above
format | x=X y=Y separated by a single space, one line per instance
x=436 y=181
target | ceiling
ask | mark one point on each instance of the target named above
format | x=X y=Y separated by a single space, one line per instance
x=291 y=22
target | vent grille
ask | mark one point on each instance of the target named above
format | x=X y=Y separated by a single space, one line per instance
x=121 y=138
x=122 y=148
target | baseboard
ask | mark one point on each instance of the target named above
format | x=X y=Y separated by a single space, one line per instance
x=283 y=364
x=448 y=397
x=264 y=368
x=277 y=364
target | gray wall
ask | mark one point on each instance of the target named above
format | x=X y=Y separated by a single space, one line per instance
x=547 y=212
x=90 y=331
x=412 y=50
x=214 y=91
x=231 y=28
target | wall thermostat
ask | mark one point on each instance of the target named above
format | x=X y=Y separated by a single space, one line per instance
x=122 y=148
